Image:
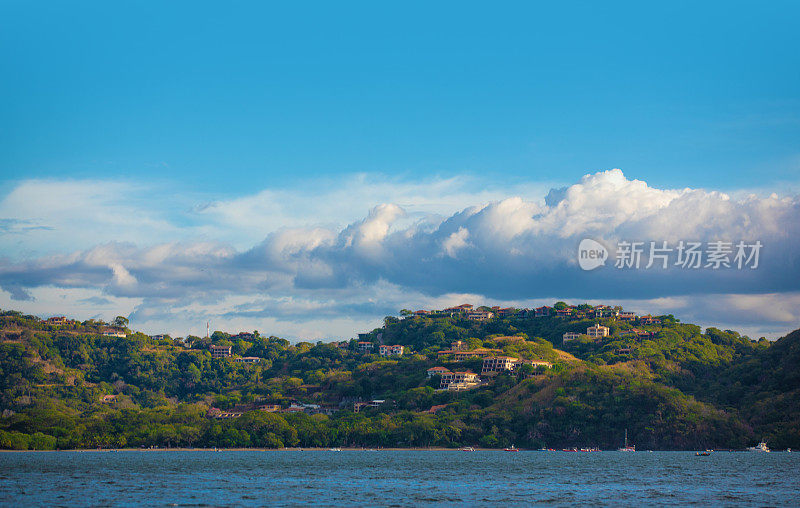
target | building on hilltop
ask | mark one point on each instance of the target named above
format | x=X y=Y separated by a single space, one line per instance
x=564 y=313
x=602 y=311
x=543 y=311
x=220 y=351
x=479 y=315
x=649 y=320
x=458 y=309
x=570 y=336
x=506 y=311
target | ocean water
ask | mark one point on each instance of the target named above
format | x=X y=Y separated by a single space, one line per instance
x=397 y=478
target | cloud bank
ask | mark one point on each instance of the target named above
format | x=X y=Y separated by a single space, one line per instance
x=308 y=266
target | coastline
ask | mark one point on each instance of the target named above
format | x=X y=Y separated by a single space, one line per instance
x=344 y=449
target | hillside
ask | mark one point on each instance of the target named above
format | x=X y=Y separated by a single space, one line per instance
x=671 y=385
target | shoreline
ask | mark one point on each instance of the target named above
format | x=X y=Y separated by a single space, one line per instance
x=343 y=449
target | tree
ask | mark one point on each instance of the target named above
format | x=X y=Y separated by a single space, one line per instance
x=121 y=322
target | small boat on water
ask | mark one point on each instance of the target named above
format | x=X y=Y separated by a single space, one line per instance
x=627 y=448
x=512 y=449
x=760 y=447
x=335 y=449
x=468 y=449
x=705 y=453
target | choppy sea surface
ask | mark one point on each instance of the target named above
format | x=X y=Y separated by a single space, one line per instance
x=397 y=478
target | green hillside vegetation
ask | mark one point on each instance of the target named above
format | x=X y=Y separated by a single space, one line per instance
x=678 y=387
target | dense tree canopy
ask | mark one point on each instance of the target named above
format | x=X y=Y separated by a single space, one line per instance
x=672 y=385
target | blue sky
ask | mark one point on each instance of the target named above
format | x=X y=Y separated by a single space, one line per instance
x=227 y=124
x=682 y=93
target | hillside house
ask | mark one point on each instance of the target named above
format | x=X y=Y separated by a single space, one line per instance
x=113 y=333
x=365 y=347
x=57 y=320
x=458 y=309
x=597 y=331
x=564 y=313
x=494 y=365
x=603 y=311
x=626 y=316
x=543 y=311
x=649 y=320
x=506 y=312
x=247 y=359
x=394 y=350
x=458 y=345
x=437 y=371
x=479 y=315
x=220 y=351
x=570 y=336
x=358 y=406
x=457 y=381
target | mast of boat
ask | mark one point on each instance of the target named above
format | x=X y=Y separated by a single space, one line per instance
x=626 y=438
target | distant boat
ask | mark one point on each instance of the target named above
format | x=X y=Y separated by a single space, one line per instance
x=468 y=449
x=627 y=448
x=760 y=447
x=335 y=449
x=512 y=449
x=705 y=453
